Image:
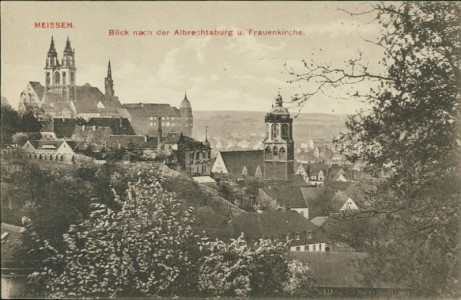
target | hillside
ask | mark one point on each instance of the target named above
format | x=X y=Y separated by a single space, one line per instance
x=246 y=124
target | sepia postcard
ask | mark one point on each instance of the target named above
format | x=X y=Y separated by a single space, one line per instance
x=230 y=149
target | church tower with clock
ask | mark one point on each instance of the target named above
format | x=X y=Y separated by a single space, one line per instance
x=279 y=144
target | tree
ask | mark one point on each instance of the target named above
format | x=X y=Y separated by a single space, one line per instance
x=145 y=249
x=413 y=131
x=9 y=124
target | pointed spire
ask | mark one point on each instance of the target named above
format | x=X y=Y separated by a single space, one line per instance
x=109 y=70
x=185 y=96
x=68 y=47
x=52 y=47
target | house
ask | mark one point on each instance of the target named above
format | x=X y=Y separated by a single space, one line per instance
x=93 y=137
x=317 y=173
x=289 y=197
x=287 y=226
x=16 y=265
x=193 y=156
x=52 y=151
x=205 y=180
x=240 y=163
x=341 y=274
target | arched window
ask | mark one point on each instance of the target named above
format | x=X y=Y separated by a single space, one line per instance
x=64 y=81
x=267 y=131
x=275 y=151
x=57 y=78
x=285 y=133
x=275 y=131
x=72 y=77
x=268 y=152
x=282 y=153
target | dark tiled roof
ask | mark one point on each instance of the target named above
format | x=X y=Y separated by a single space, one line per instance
x=338 y=186
x=150 y=110
x=236 y=160
x=290 y=197
x=64 y=128
x=119 y=126
x=310 y=194
x=314 y=169
x=38 y=88
x=358 y=192
x=339 y=269
x=125 y=141
x=91 y=134
x=272 y=224
x=173 y=138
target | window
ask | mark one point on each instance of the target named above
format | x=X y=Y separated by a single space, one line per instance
x=313 y=248
x=275 y=131
x=151 y=118
x=306 y=248
x=309 y=235
x=151 y=124
x=298 y=248
x=297 y=236
x=275 y=151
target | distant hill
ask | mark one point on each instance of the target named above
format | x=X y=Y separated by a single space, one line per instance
x=245 y=124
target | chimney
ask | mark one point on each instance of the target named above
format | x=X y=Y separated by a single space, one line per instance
x=159 y=132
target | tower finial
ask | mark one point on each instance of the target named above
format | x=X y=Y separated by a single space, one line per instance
x=206 y=133
x=185 y=95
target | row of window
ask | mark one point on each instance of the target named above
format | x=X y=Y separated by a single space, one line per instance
x=165 y=124
x=275 y=152
x=164 y=118
x=200 y=155
x=312 y=248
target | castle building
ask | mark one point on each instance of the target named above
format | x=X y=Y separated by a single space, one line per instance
x=62 y=97
x=144 y=117
x=279 y=144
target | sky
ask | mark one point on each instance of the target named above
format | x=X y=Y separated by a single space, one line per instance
x=218 y=73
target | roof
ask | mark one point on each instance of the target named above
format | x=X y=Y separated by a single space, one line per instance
x=126 y=141
x=271 y=224
x=185 y=104
x=318 y=221
x=49 y=145
x=91 y=134
x=358 y=191
x=311 y=193
x=64 y=128
x=204 y=179
x=339 y=269
x=290 y=197
x=118 y=126
x=173 y=138
x=38 y=88
x=236 y=160
x=315 y=168
x=145 y=110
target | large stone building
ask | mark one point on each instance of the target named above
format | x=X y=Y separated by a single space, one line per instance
x=62 y=97
x=279 y=144
x=145 y=117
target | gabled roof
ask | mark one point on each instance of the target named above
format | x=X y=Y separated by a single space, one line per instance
x=50 y=145
x=315 y=168
x=358 y=191
x=311 y=193
x=236 y=160
x=318 y=221
x=290 y=197
x=38 y=88
x=340 y=270
x=271 y=224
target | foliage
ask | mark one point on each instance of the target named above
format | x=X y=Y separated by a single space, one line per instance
x=144 y=249
x=242 y=269
x=413 y=131
x=13 y=121
x=300 y=282
x=148 y=248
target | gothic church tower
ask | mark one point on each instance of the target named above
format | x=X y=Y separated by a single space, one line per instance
x=60 y=77
x=279 y=144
